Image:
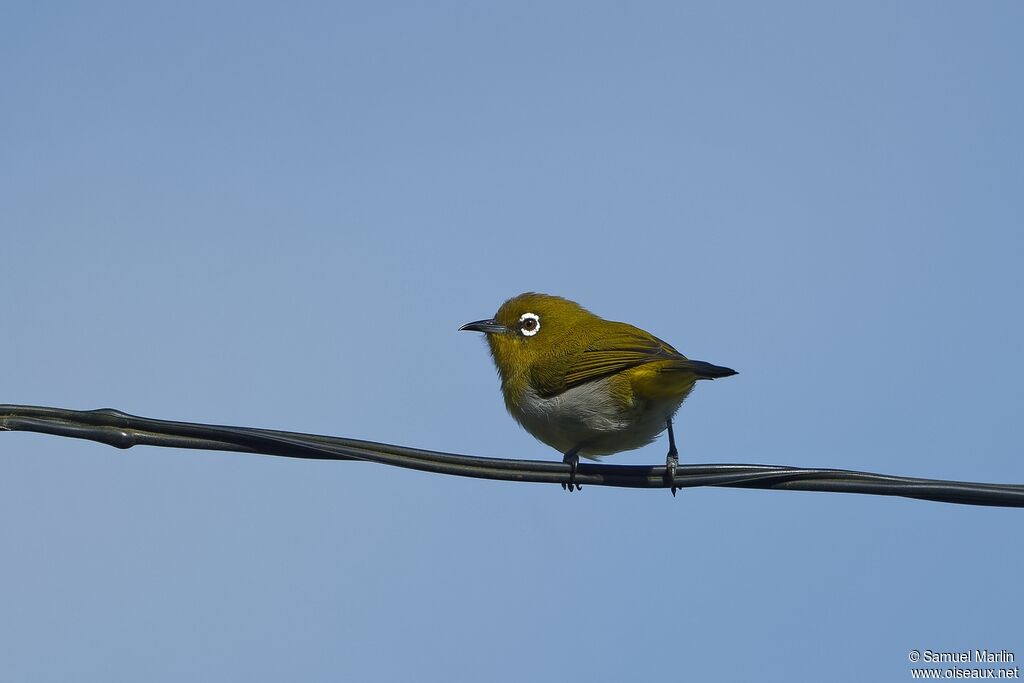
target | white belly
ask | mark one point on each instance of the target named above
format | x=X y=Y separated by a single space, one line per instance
x=587 y=415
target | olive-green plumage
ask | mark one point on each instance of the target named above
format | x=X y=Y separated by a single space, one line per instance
x=582 y=384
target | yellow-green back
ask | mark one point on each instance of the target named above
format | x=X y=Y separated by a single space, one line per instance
x=573 y=346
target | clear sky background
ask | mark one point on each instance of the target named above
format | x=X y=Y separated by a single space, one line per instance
x=279 y=215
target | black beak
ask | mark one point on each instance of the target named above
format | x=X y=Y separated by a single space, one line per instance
x=486 y=326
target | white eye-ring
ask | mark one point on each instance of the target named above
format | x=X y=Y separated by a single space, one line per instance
x=529 y=324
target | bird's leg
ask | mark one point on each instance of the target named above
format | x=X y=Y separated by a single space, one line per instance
x=572 y=459
x=672 y=459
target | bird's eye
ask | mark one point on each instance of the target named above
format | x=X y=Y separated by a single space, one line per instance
x=529 y=324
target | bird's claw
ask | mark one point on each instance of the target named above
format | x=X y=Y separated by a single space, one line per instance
x=671 y=465
x=572 y=460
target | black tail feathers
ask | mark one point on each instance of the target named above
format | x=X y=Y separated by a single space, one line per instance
x=708 y=371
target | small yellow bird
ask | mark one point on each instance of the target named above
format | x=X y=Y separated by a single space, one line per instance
x=584 y=385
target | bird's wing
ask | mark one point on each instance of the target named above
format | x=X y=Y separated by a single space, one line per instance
x=625 y=348
x=621 y=349
x=629 y=347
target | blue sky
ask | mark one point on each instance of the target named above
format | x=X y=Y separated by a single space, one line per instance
x=278 y=216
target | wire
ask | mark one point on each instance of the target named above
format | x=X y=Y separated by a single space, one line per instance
x=121 y=430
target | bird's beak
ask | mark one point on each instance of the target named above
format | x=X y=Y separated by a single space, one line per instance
x=486 y=326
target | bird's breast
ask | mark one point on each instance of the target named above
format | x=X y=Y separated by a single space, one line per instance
x=593 y=414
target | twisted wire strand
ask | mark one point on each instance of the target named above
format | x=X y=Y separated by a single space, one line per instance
x=121 y=430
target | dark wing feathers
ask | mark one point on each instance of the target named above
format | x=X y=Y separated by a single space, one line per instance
x=617 y=352
x=629 y=347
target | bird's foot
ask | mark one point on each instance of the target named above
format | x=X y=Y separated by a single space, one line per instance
x=572 y=459
x=671 y=465
x=672 y=459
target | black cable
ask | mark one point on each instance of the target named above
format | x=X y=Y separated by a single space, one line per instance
x=122 y=430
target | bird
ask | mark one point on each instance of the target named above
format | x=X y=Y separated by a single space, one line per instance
x=587 y=386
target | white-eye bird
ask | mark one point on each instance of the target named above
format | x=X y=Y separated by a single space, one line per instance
x=584 y=385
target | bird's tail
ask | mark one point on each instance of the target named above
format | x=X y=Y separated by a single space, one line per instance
x=706 y=370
